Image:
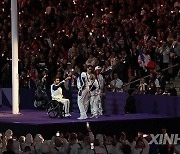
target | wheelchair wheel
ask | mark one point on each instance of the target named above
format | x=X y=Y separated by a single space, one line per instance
x=53 y=109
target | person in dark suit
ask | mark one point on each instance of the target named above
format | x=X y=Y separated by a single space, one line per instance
x=130 y=106
x=172 y=90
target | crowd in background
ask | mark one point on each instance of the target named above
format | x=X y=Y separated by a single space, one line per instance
x=79 y=143
x=132 y=38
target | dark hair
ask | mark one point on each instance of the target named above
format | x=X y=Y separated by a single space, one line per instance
x=80 y=67
x=126 y=149
x=9 y=145
x=56 y=77
x=27 y=148
x=73 y=136
x=80 y=137
x=96 y=142
x=139 y=140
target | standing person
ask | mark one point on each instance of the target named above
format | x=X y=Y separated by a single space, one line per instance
x=130 y=106
x=70 y=86
x=94 y=96
x=175 y=47
x=83 y=93
x=164 y=52
x=100 y=81
x=56 y=94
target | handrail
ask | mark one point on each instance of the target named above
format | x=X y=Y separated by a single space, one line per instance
x=149 y=75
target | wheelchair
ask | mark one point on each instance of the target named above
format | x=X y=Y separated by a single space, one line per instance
x=55 y=109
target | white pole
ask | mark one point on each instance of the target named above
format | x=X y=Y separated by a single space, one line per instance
x=15 y=75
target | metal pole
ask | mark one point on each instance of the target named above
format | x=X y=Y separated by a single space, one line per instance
x=15 y=75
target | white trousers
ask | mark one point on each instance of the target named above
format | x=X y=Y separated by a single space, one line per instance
x=96 y=107
x=83 y=102
x=65 y=102
x=100 y=106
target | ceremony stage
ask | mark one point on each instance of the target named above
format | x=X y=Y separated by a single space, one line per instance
x=36 y=121
x=153 y=113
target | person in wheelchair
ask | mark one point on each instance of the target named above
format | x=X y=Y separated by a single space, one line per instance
x=41 y=98
x=56 y=94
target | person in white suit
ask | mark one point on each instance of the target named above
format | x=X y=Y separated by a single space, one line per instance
x=83 y=98
x=95 y=98
x=56 y=94
x=100 y=81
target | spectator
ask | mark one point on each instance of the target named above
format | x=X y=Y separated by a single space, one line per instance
x=141 y=146
x=6 y=76
x=97 y=148
x=1 y=146
x=9 y=147
x=151 y=88
x=143 y=86
x=175 y=54
x=29 y=142
x=172 y=90
x=58 y=146
x=21 y=142
x=162 y=80
x=90 y=32
x=27 y=149
x=164 y=51
x=143 y=60
x=116 y=84
x=38 y=141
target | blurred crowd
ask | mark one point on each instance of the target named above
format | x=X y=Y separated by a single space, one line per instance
x=132 y=38
x=79 y=143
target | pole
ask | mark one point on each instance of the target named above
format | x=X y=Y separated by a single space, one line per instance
x=15 y=75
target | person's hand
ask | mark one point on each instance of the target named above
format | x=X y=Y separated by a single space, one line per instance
x=92 y=77
x=140 y=134
x=73 y=76
x=112 y=86
x=68 y=78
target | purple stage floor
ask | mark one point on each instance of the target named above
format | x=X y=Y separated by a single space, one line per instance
x=37 y=121
x=37 y=117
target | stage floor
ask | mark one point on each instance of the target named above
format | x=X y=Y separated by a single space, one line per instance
x=37 y=121
x=37 y=117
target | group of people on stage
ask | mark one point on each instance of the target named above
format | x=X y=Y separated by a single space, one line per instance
x=90 y=86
